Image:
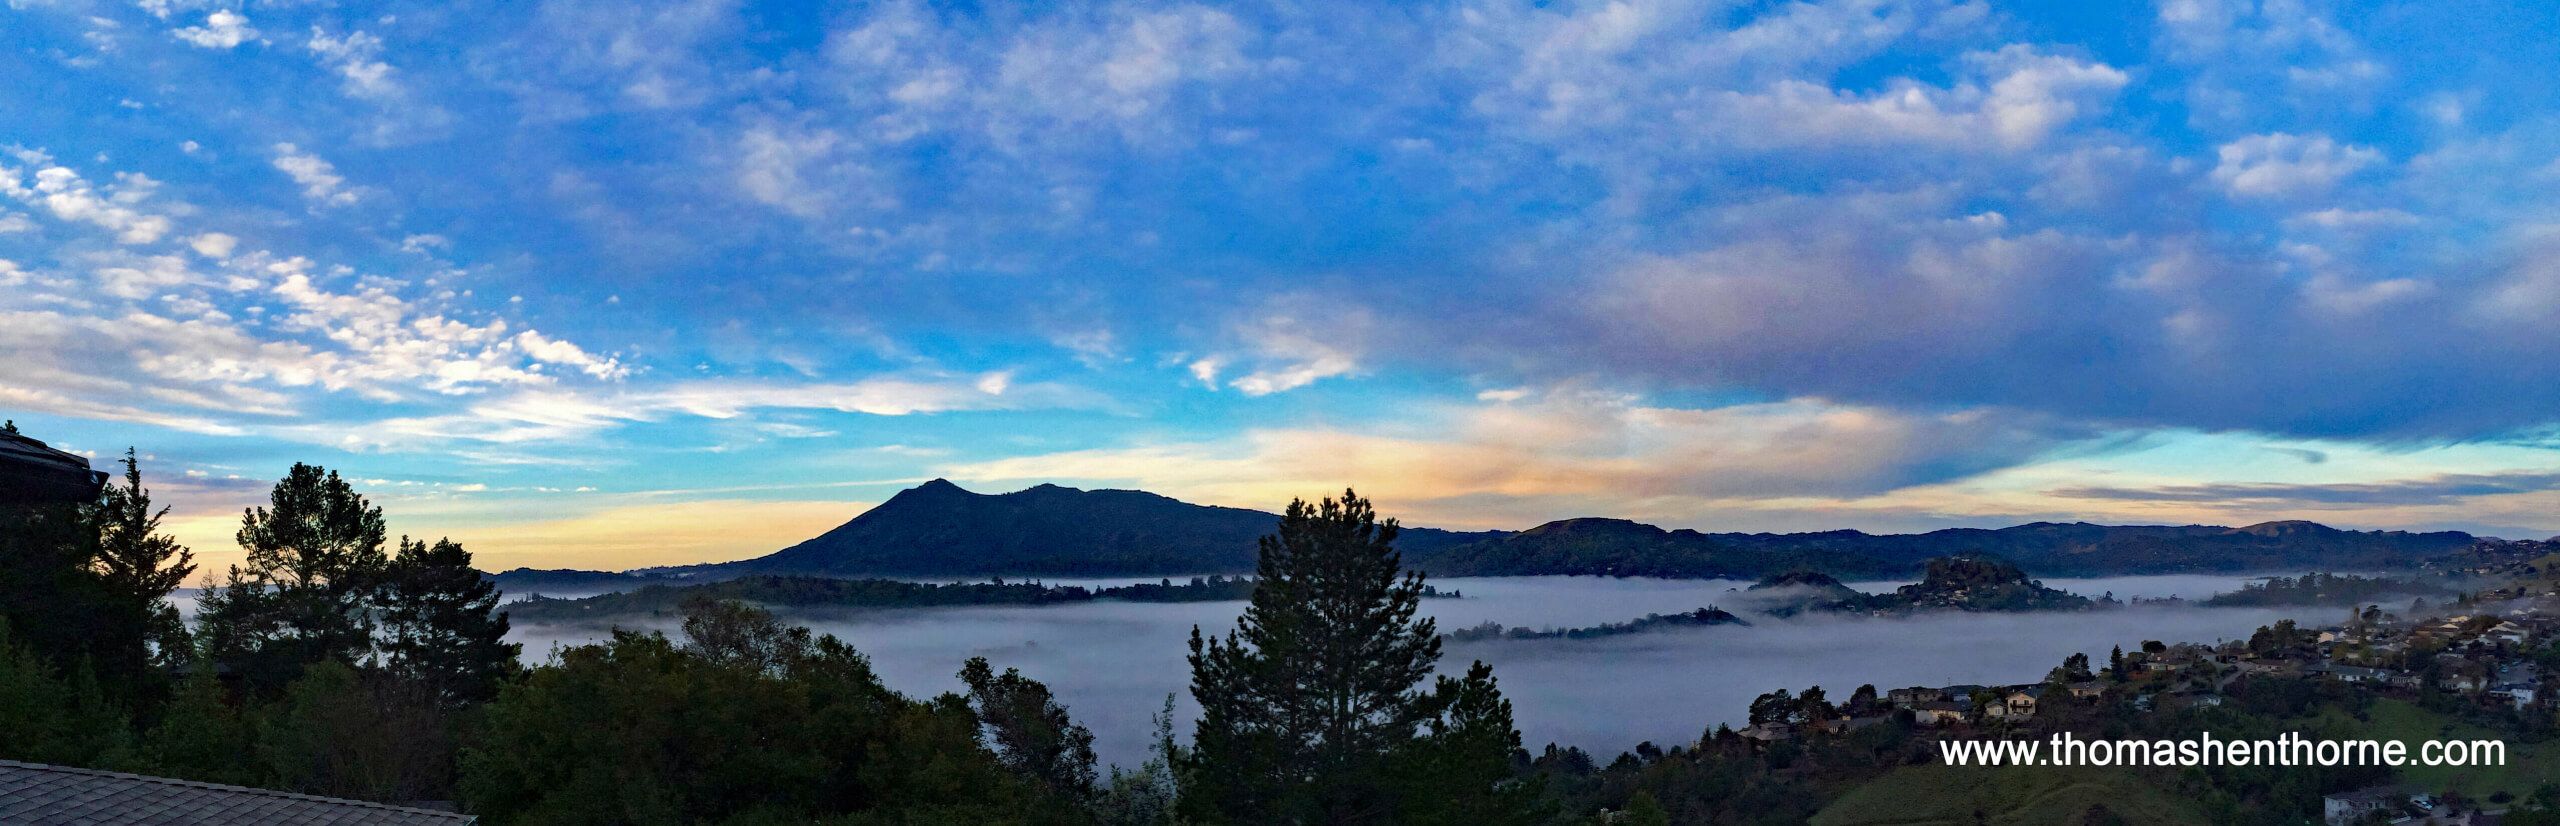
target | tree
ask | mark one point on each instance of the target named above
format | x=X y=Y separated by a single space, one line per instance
x=441 y=625
x=1461 y=772
x=1813 y=707
x=734 y=634
x=1643 y=810
x=200 y=736
x=1774 y=707
x=45 y=718
x=1030 y=731
x=138 y=566
x=342 y=733
x=1303 y=703
x=1863 y=700
x=315 y=559
x=637 y=730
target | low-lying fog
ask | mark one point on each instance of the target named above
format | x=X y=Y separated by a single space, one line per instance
x=1113 y=663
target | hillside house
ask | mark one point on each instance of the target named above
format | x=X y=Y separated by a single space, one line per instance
x=1937 y=712
x=2019 y=703
x=2349 y=808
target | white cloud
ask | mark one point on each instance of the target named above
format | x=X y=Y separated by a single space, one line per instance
x=223 y=29
x=320 y=181
x=71 y=198
x=770 y=167
x=1295 y=349
x=556 y=417
x=2279 y=164
x=424 y=242
x=1565 y=452
x=213 y=245
x=355 y=58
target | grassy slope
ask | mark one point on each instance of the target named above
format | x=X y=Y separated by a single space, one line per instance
x=2527 y=765
x=1932 y=795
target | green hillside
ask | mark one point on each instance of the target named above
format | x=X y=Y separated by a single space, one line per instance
x=1935 y=795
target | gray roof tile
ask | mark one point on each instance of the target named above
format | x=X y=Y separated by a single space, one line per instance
x=38 y=795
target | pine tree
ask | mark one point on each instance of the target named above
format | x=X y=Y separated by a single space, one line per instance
x=139 y=566
x=441 y=625
x=315 y=560
x=1303 y=703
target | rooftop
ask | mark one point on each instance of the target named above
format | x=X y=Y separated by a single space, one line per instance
x=63 y=796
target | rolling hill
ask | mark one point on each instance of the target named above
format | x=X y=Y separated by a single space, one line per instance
x=938 y=529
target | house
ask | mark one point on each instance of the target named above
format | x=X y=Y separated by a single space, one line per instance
x=2508 y=632
x=2348 y=808
x=63 y=796
x=33 y=472
x=1906 y=697
x=2191 y=699
x=2019 y=703
x=2090 y=688
x=1937 y=712
x=2268 y=666
x=2345 y=673
x=1769 y=732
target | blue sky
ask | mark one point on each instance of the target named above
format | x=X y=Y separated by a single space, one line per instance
x=608 y=284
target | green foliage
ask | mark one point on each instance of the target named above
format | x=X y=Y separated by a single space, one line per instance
x=752 y=724
x=45 y=718
x=441 y=627
x=138 y=566
x=1030 y=731
x=1701 y=618
x=1972 y=582
x=1643 y=810
x=1149 y=794
x=1461 y=772
x=342 y=733
x=1303 y=702
x=315 y=559
x=1312 y=710
x=200 y=736
x=2325 y=589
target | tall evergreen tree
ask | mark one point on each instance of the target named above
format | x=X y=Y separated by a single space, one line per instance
x=441 y=625
x=139 y=566
x=1303 y=703
x=315 y=559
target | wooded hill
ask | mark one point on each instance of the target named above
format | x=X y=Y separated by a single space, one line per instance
x=938 y=529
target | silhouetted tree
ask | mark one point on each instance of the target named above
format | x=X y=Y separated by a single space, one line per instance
x=315 y=559
x=1030 y=731
x=138 y=566
x=737 y=635
x=1302 y=705
x=441 y=627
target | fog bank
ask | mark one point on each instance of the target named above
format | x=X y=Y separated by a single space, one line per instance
x=1113 y=663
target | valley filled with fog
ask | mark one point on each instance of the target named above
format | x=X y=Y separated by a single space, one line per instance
x=1113 y=663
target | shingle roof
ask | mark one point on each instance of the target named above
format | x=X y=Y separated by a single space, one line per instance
x=40 y=795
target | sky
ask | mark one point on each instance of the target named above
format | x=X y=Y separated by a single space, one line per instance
x=609 y=284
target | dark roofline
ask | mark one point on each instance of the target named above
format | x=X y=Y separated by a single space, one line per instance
x=195 y=784
x=32 y=469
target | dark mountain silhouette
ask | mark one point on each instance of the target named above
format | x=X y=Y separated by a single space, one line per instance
x=2083 y=549
x=938 y=529
x=1618 y=547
